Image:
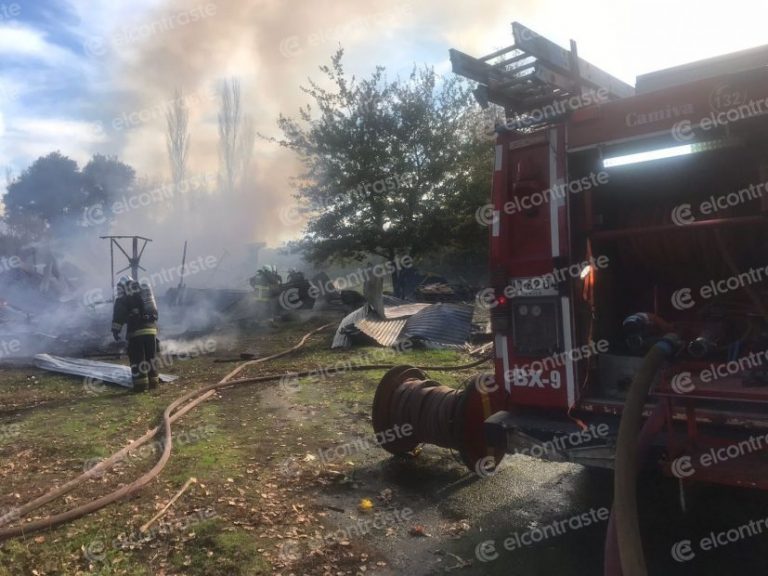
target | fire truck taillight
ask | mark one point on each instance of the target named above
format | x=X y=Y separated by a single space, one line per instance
x=500 y=314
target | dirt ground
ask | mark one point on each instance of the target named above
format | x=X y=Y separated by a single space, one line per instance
x=289 y=481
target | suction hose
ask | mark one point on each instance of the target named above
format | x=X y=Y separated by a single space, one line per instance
x=653 y=425
x=436 y=414
x=625 y=475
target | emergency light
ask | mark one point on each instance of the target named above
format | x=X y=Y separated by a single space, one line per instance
x=649 y=156
x=662 y=153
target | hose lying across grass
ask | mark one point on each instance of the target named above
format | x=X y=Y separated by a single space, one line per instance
x=173 y=412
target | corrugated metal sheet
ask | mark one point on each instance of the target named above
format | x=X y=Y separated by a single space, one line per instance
x=340 y=339
x=436 y=325
x=404 y=310
x=104 y=371
x=441 y=325
x=384 y=332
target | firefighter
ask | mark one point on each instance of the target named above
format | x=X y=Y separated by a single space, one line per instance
x=135 y=306
x=266 y=284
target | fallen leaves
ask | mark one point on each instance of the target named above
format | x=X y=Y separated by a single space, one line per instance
x=418 y=531
x=456 y=529
x=365 y=505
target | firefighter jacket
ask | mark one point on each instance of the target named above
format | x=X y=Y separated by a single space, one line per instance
x=263 y=292
x=128 y=310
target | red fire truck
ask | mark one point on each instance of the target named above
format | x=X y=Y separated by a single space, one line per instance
x=628 y=270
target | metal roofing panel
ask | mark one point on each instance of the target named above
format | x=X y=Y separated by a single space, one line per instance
x=384 y=332
x=441 y=325
x=104 y=371
x=371 y=325
x=437 y=325
x=340 y=339
x=404 y=310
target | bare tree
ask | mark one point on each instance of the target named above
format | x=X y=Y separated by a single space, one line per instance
x=237 y=136
x=230 y=118
x=9 y=176
x=245 y=148
x=177 y=138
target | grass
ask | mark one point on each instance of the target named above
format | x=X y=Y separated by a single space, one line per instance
x=204 y=448
x=221 y=551
x=231 y=445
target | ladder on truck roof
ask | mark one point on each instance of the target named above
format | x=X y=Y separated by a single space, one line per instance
x=532 y=73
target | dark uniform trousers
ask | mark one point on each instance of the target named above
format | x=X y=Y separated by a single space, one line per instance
x=142 y=352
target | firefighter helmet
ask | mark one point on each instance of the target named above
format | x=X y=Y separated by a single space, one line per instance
x=123 y=285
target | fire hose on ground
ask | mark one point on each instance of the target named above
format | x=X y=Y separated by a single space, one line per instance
x=172 y=412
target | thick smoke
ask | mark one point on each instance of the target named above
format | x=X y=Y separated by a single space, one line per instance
x=272 y=47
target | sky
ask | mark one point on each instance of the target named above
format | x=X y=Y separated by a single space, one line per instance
x=95 y=76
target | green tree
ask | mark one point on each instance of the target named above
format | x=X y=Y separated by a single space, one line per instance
x=106 y=178
x=52 y=194
x=50 y=189
x=392 y=168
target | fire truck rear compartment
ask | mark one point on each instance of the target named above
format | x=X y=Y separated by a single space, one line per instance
x=668 y=227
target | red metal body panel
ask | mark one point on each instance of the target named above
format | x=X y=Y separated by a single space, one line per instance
x=707 y=101
x=527 y=240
